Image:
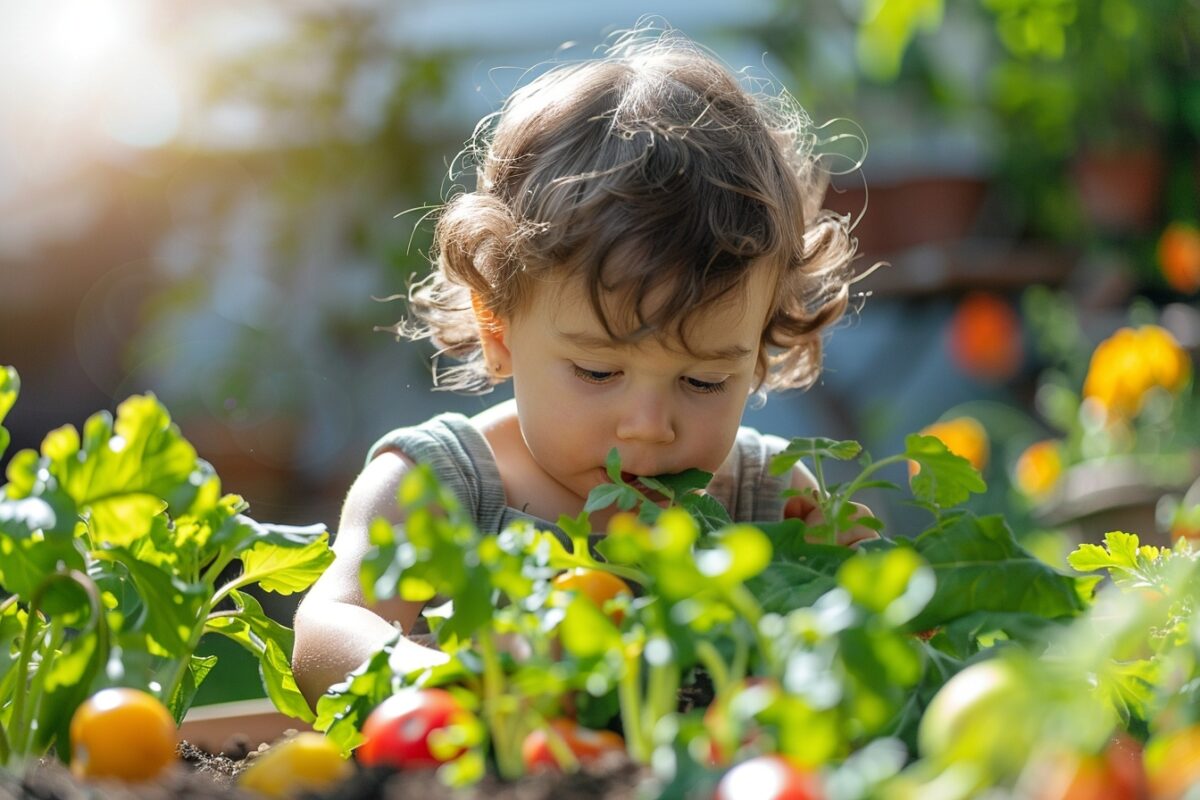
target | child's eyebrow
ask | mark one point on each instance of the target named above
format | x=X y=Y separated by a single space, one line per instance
x=592 y=341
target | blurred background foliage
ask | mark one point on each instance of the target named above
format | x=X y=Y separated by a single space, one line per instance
x=201 y=200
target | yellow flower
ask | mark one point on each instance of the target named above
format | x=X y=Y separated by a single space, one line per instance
x=963 y=436
x=1128 y=364
x=1039 y=468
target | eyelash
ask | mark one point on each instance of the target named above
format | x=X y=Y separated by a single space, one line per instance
x=597 y=377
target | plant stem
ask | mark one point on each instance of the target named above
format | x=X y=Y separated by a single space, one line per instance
x=19 y=724
x=504 y=744
x=843 y=497
x=630 y=700
x=710 y=657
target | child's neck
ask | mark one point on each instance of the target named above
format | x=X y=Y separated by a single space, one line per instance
x=527 y=487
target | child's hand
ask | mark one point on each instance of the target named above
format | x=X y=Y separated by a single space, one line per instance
x=804 y=507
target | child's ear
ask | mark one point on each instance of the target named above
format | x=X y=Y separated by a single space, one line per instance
x=493 y=338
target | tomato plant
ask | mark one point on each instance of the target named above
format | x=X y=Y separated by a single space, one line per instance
x=563 y=743
x=305 y=763
x=402 y=731
x=116 y=539
x=122 y=733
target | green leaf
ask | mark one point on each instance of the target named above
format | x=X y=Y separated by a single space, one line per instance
x=741 y=552
x=68 y=683
x=170 y=606
x=586 y=632
x=603 y=496
x=945 y=479
x=197 y=670
x=271 y=643
x=612 y=465
x=680 y=483
x=10 y=387
x=121 y=480
x=981 y=567
x=288 y=567
x=342 y=710
x=708 y=512
x=1121 y=551
x=896 y=584
x=819 y=447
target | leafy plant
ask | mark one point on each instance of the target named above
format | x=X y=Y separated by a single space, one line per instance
x=819 y=642
x=118 y=554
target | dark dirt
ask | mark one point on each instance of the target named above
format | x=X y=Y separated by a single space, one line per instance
x=200 y=775
x=206 y=776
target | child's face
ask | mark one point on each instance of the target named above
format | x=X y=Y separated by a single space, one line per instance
x=664 y=408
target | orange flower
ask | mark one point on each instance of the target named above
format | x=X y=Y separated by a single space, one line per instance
x=985 y=337
x=1132 y=362
x=1179 y=257
x=1039 y=468
x=963 y=436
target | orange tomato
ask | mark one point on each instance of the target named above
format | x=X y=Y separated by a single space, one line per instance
x=596 y=585
x=963 y=436
x=985 y=337
x=1179 y=257
x=1039 y=468
x=584 y=743
x=1173 y=762
x=122 y=733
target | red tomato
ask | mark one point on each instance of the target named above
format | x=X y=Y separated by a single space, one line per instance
x=584 y=743
x=1115 y=775
x=596 y=585
x=768 y=778
x=397 y=732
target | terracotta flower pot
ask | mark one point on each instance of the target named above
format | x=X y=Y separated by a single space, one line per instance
x=1121 y=190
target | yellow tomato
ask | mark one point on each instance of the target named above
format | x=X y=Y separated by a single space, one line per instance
x=596 y=585
x=1130 y=363
x=1039 y=468
x=963 y=436
x=122 y=733
x=307 y=762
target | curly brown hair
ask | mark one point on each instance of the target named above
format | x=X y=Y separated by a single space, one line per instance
x=649 y=171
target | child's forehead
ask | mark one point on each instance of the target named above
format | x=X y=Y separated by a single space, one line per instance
x=726 y=327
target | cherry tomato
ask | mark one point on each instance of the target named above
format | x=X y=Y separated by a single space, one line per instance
x=397 y=732
x=987 y=715
x=768 y=777
x=307 y=762
x=122 y=733
x=584 y=743
x=596 y=585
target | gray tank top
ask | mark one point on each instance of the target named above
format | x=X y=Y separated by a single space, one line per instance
x=463 y=461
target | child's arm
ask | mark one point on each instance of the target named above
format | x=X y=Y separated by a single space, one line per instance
x=335 y=629
x=802 y=506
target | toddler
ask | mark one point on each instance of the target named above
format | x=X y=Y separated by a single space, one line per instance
x=644 y=250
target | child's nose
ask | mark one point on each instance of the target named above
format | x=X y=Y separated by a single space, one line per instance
x=646 y=419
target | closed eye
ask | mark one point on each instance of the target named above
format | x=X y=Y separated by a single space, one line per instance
x=592 y=375
x=707 y=387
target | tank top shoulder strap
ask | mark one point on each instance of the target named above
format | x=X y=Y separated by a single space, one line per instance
x=460 y=458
